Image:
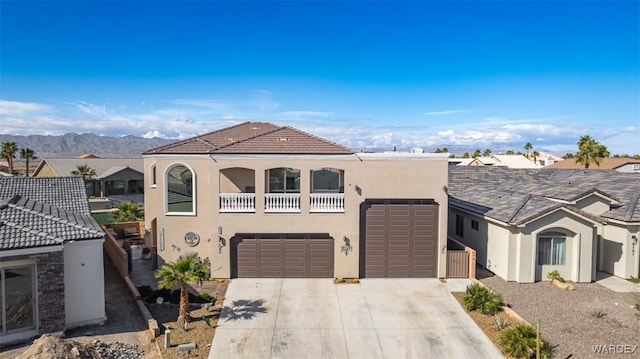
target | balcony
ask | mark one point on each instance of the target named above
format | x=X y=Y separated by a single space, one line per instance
x=282 y=202
x=238 y=202
x=327 y=203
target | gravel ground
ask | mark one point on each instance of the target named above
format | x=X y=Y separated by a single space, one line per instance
x=574 y=321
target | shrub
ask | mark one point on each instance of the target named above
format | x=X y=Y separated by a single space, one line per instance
x=598 y=313
x=479 y=297
x=519 y=341
x=501 y=323
x=633 y=279
x=555 y=275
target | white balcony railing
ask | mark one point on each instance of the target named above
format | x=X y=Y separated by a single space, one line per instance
x=282 y=202
x=327 y=202
x=238 y=202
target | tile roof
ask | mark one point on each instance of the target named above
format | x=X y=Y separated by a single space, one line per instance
x=25 y=223
x=64 y=192
x=104 y=167
x=517 y=195
x=607 y=163
x=253 y=138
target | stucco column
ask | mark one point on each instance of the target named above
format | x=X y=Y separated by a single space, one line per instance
x=305 y=191
x=260 y=190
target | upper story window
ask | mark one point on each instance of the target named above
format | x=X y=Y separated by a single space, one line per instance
x=552 y=248
x=153 y=176
x=284 y=180
x=474 y=224
x=459 y=225
x=180 y=182
x=327 y=180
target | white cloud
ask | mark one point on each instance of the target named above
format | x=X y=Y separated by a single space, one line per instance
x=445 y=112
x=15 y=108
x=304 y=114
x=90 y=109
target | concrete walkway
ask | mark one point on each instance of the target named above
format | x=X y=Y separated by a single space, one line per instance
x=315 y=318
x=616 y=284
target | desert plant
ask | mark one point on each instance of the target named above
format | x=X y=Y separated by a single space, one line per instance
x=598 y=313
x=501 y=323
x=127 y=212
x=519 y=341
x=633 y=279
x=555 y=275
x=479 y=297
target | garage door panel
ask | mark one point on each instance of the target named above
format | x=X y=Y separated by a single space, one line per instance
x=403 y=242
x=284 y=257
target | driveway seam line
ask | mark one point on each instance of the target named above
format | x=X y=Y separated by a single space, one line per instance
x=373 y=324
x=273 y=337
x=344 y=333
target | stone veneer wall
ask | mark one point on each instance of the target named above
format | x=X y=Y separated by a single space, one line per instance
x=50 y=286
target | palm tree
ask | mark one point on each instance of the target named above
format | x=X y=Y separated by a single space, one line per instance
x=85 y=171
x=590 y=151
x=476 y=154
x=8 y=151
x=568 y=155
x=445 y=150
x=510 y=152
x=187 y=269
x=465 y=155
x=486 y=153
x=535 y=155
x=27 y=154
x=127 y=212
x=528 y=146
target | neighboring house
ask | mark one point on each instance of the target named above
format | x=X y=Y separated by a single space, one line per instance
x=525 y=223
x=511 y=161
x=544 y=158
x=51 y=266
x=459 y=161
x=114 y=176
x=260 y=200
x=620 y=164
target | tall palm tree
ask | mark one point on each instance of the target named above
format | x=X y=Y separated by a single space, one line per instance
x=486 y=153
x=476 y=154
x=528 y=146
x=85 y=171
x=445 y=150
x=187 y=269
x=8 y=151
x=590 y=151
x=27 y=154
x=127 y=212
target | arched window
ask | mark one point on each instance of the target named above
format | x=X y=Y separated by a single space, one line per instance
x=327 y=180
x=180 y=184
x=552 y=248
x=284 y=180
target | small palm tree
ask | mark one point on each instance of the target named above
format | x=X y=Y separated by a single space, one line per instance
x=8 y=151
x=128 y=212
x=476 y=154
x=510 y=152
x=187 y=269
x=85 y=171
x=528 y=146
x=27 y=154
x=535 y=155
x=486 y=152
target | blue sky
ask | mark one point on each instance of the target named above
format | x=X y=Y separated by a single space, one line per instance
x=369 y=75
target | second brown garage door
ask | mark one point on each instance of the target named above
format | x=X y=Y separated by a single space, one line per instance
x=399 y=238
x=283 y=256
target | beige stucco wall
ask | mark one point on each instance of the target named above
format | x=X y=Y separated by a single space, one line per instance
x=580 y=265
x=46 y=171
x=618 y=252
x=366 y=176
x=593 y=204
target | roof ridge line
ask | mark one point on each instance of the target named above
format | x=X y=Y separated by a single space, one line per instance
x=278 y=128
x=633 y=205
x=319 y=138
x=522 y=204
x=173 y=144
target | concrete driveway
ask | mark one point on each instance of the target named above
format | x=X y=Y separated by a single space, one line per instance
x=315 y=318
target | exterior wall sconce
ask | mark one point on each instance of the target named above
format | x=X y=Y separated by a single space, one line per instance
x=221 y=241
x=346 y=247
x=443 y=248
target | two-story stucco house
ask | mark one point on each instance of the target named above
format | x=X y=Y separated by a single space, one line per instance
x=261 y=200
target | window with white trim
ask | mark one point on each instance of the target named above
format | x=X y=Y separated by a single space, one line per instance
x=180 y=187
x=552 y=248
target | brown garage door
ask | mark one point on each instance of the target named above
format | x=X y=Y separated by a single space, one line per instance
x=400 y=238
x=283 y=256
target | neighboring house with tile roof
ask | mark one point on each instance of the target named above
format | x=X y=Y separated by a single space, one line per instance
x=51 y=264
x=511 y=161
x=114 y=176
x=261 y=200
x=620 y=164
x=524 y=223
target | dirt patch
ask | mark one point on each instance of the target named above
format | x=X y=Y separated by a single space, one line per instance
x=201 y=328
x=51 y=347
x=486 y=322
